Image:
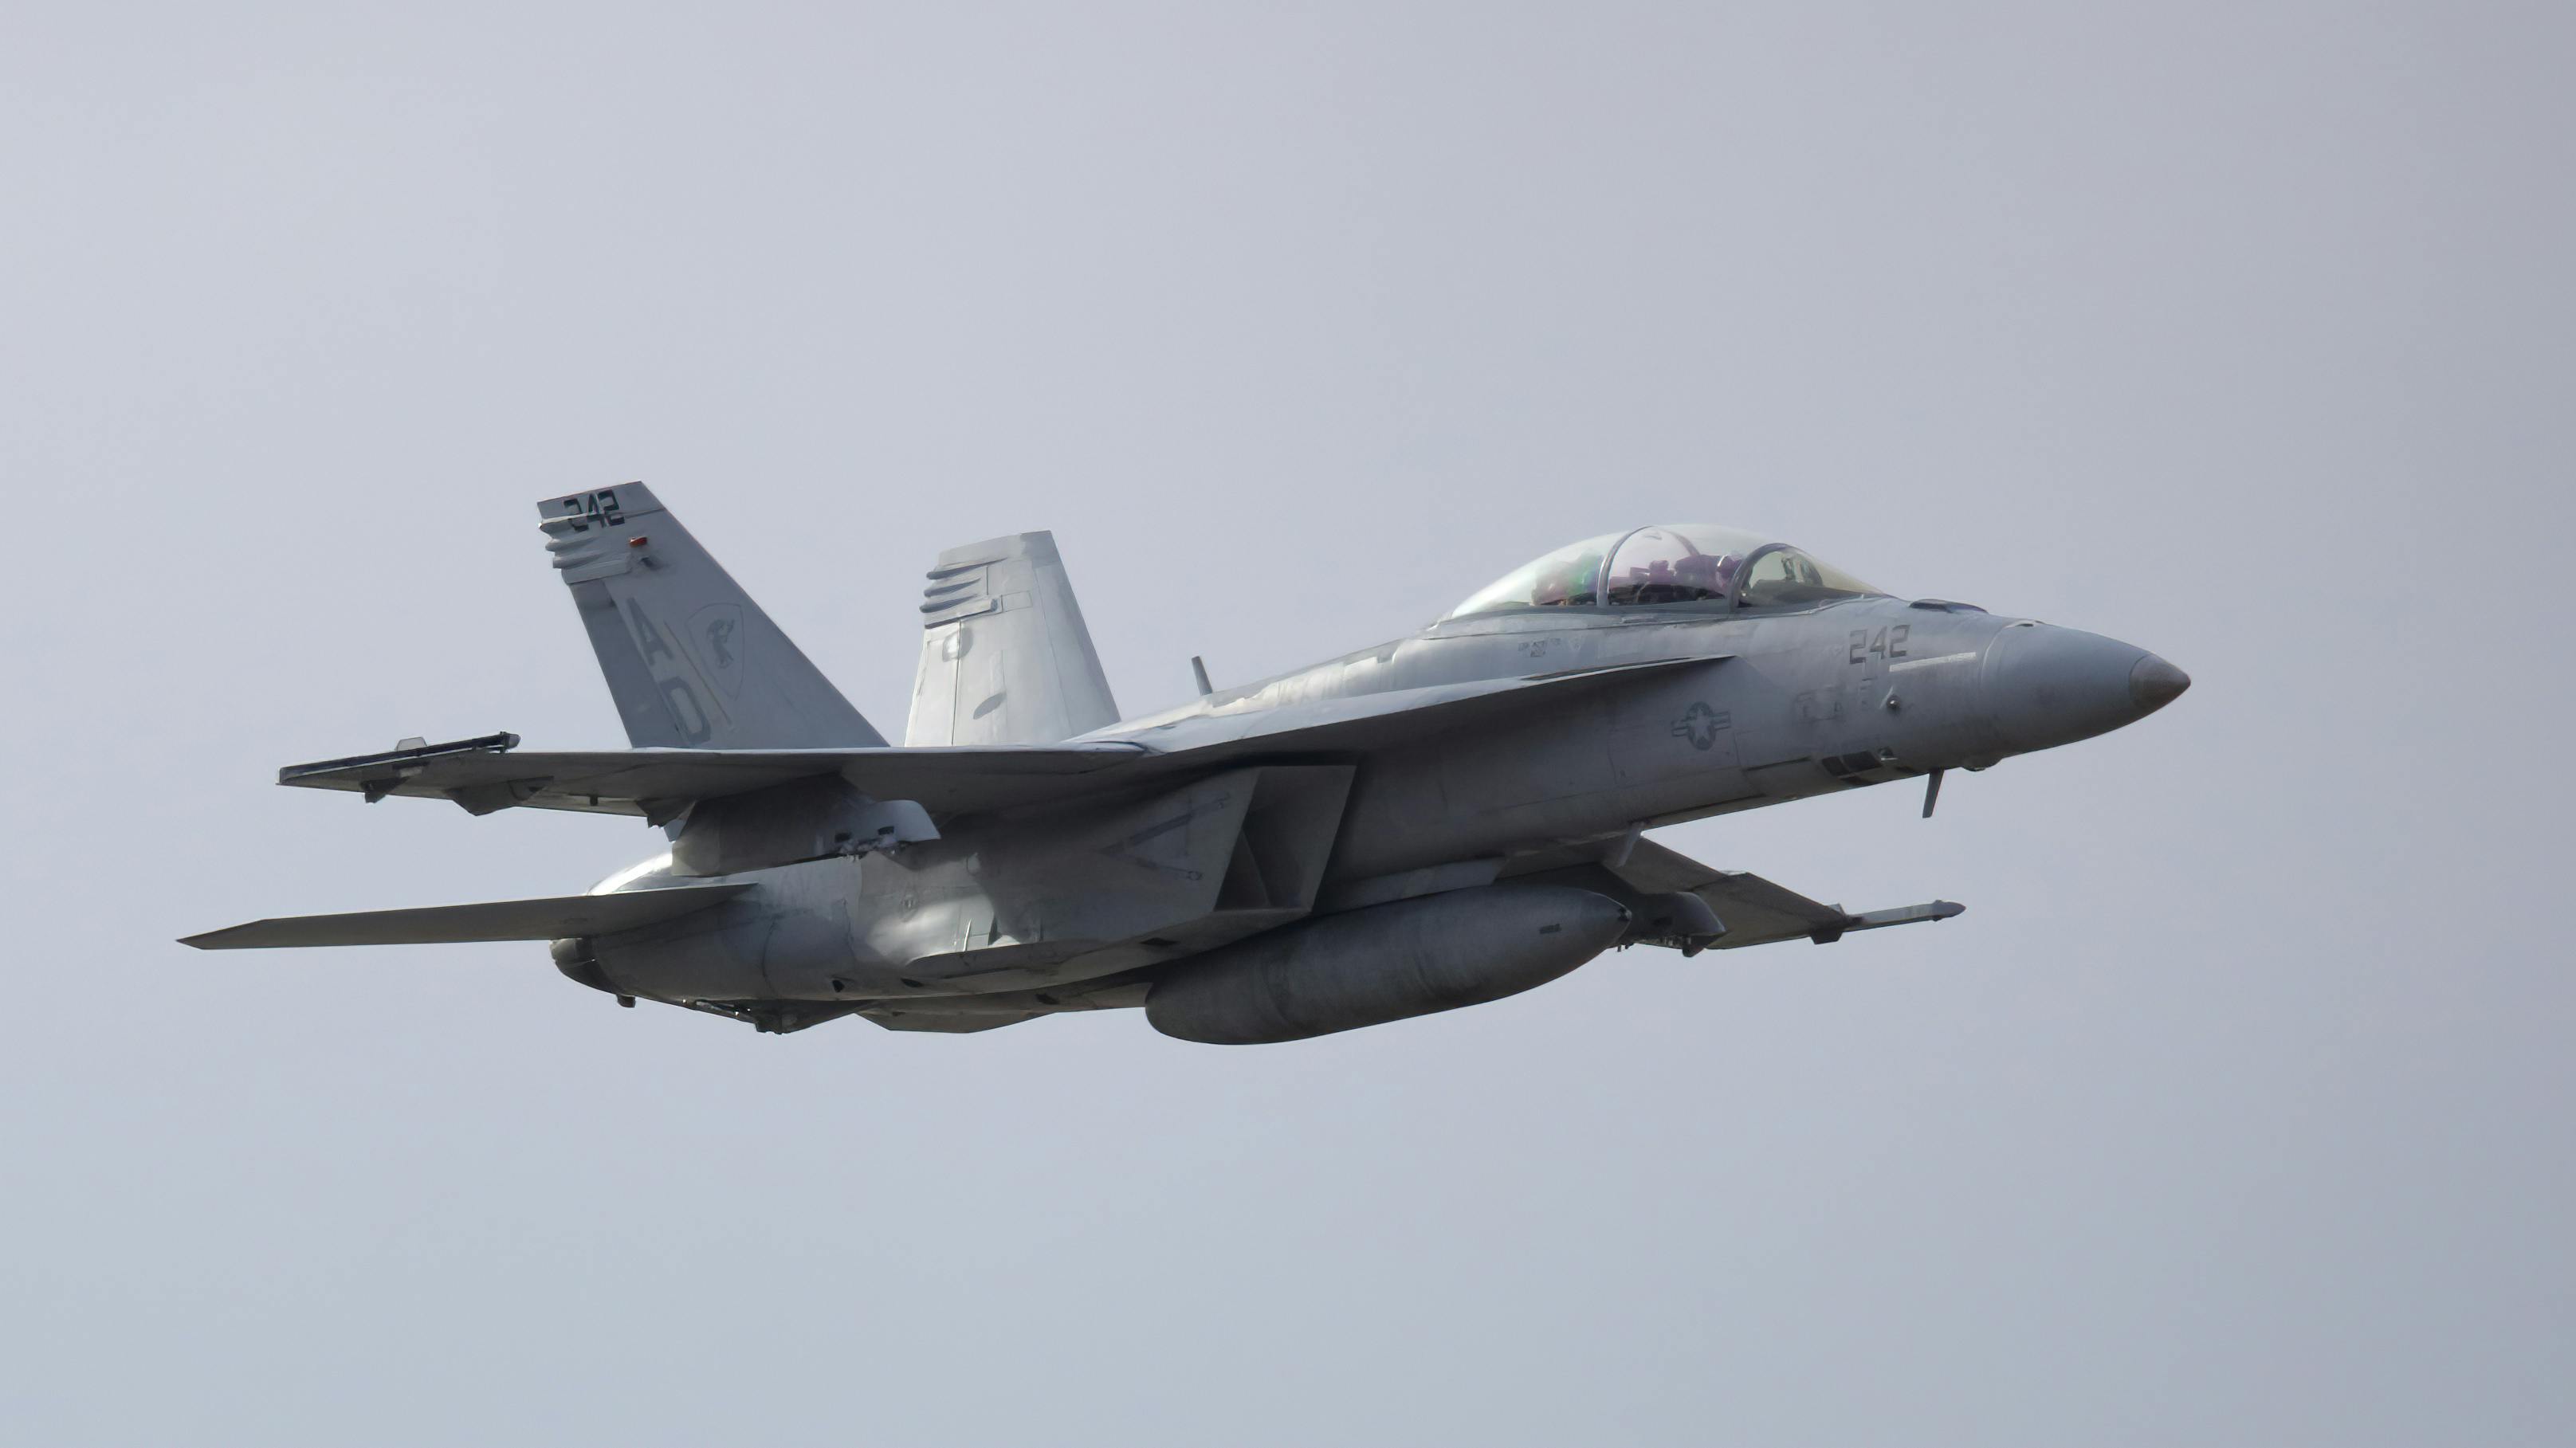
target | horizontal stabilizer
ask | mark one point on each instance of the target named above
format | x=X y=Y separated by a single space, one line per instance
x=550 y=919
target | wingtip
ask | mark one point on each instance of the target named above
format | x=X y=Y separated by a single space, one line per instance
x=228 y=938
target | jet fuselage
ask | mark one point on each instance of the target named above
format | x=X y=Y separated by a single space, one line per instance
x=1788 y=705
x=1443 y=820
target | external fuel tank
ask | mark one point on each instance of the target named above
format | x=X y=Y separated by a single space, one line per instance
x=1384 y=963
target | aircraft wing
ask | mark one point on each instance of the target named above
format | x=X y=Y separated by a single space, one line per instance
x=549 y=919
x=486 y=774
x=1237 y=728
x=1754 y=910
x=490 y=773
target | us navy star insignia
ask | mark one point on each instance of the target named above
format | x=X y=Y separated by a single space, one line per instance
x=1700 y=725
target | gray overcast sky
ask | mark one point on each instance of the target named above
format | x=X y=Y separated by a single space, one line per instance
x=2237 y=1109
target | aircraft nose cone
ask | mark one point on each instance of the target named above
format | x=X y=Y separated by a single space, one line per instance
x=2046 y=686
x=2155 y=683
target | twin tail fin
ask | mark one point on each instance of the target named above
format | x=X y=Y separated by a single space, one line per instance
x=691 y=661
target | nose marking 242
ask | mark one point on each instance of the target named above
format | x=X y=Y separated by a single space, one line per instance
x=1888 y=643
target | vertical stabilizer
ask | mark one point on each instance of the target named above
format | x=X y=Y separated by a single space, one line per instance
x=692 y=662
x=1005 y=658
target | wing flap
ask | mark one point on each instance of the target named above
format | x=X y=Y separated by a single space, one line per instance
x=548 y=919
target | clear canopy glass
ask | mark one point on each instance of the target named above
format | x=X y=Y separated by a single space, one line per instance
x=1669 y=565
x=1569 y=576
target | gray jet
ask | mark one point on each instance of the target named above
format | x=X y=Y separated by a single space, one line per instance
x=1440 y=821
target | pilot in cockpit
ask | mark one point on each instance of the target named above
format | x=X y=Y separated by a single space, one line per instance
x=1691 y=578
x=1567 y=584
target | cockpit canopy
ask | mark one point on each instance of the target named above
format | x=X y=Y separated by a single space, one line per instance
x=1670 y=565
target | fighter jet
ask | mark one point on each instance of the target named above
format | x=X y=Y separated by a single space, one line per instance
x=1440 y=821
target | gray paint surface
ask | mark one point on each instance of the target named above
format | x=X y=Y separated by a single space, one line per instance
x=1005 y=658
x=1539 y=729
x=2241 y=332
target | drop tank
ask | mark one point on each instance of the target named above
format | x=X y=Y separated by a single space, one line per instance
x=1385 y=963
